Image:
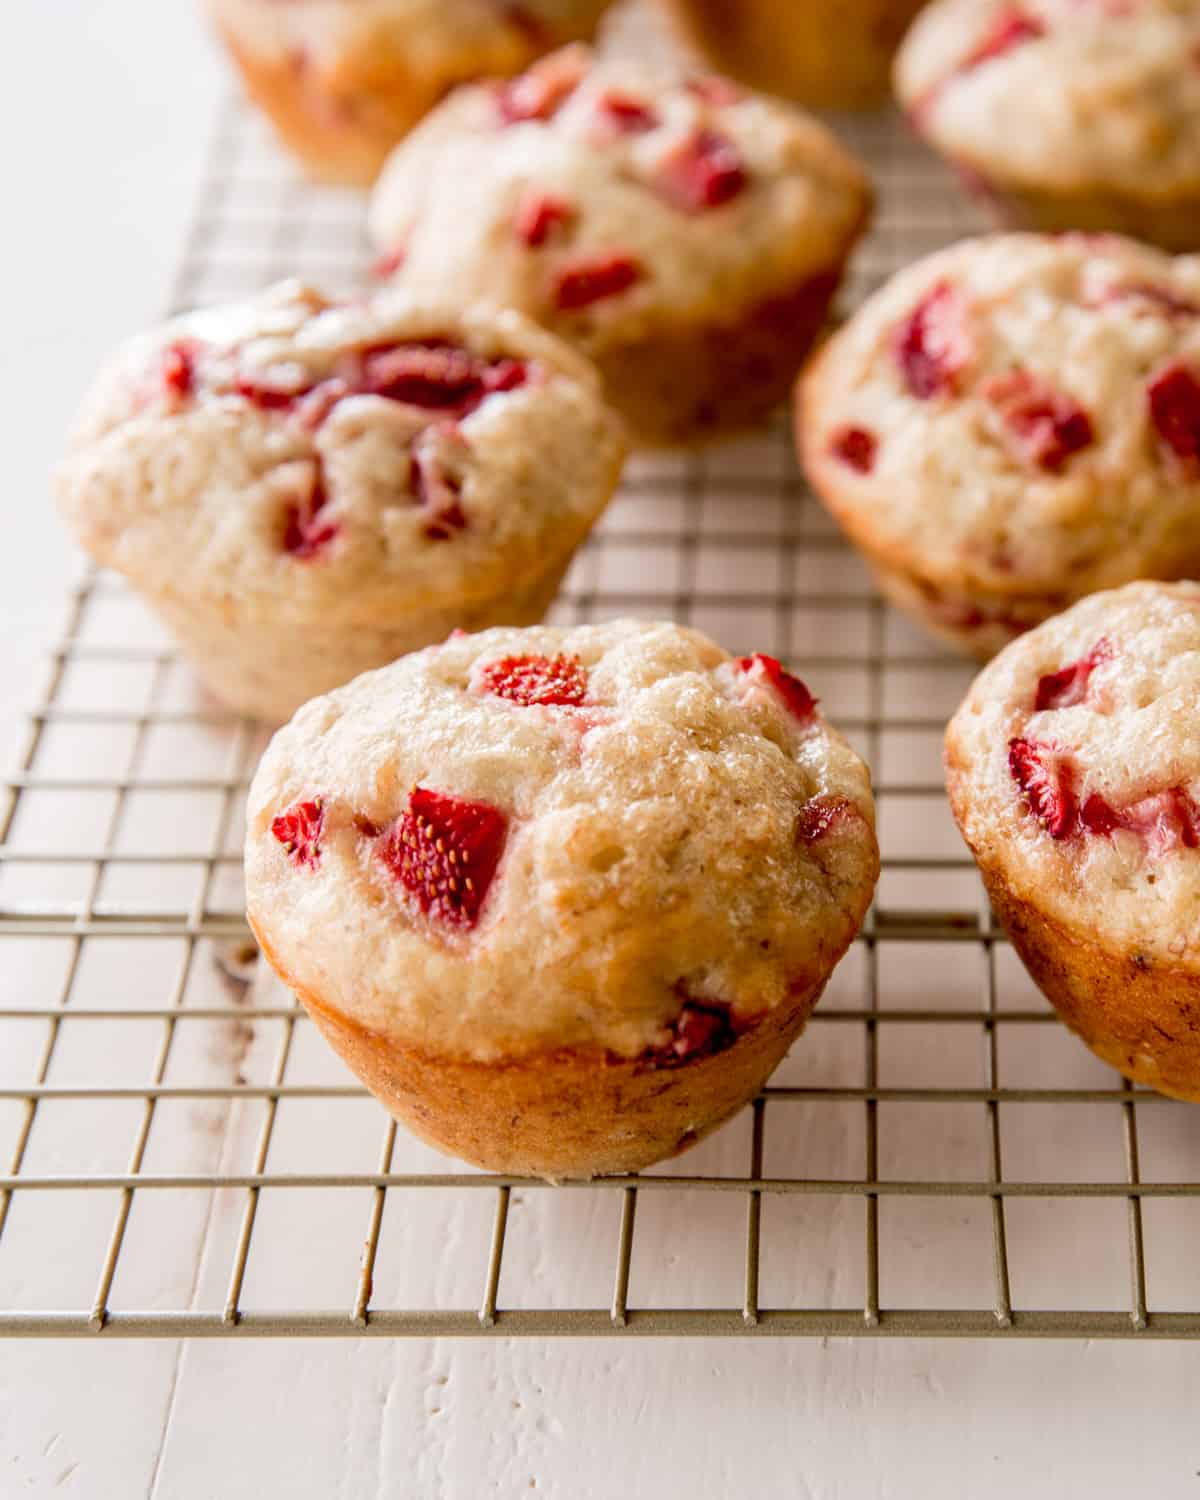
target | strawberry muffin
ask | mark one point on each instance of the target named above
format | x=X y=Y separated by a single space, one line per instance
x=1014 y=423
x=562 y=899
x=686 y=236
x=1066 y=114
x=343 y=80
x=1074 y=774
x=832 y=54
x=304 y=489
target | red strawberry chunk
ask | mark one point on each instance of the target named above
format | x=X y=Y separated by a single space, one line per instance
x=438 y=490
x=712 y=88
x=702 y=172
x=702 y=1029
x=444 y=852
x=268 y=397
x=582 y=282
x=550 y=681
x=933 y=346
x=1165 y=821
x=856 y=447
x=1045 y=776
x=539 y=215
x=387 y=264
x=1012 y=28
x=1159 y=298
x=1047 y=427
x=799 y=702
x=1069 y=685
x=298 y=828
x=436 y=375
x=542 y=91
x=307 y=530
x=626 y=114
x=179 y=368
x=817 y=817
x=1174 y=400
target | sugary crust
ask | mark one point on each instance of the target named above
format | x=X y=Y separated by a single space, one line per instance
x=653 y=852
x=560 y=1114
x=1128 y=737
x=191 y=493
x=1061 y=98
x=452 y=196
x=949 y=499
x=343 y=83
x=830 y=54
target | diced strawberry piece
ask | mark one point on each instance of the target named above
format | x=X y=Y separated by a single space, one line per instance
x=627 y=114
x=1045 y=776
x=712 y=88
x=702 y=1029
x=298 y=828
x=542 y=91
x=1166 y=821
x=582 y=282
x=539 y=215
x=817 y=817
x=307 y=530
x=856 y=447
x=799 y=702
x=436 y=375
x=1158 y=298
x=1097 y=816
x=702 y=172
x=444 y=852
x=269 y=397
x=178 y=368
x=1174 y=400
x=437 y=488
x=387 y=264
x=557 y=681
x=1046 y=426
x=1069 y=685
x=933 y=346
x=1012 y=28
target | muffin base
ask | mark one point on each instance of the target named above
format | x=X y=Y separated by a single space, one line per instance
x=573 y=1113
x=1139 y=1016
x=342 y=133
x=822 y=57
x=1172 y=224
x=707 y=382
x=268 y=668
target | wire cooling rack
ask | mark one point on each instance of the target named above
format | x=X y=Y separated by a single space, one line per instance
x=185 y=1157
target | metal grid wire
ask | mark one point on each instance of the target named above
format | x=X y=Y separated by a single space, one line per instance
x=161 y=1113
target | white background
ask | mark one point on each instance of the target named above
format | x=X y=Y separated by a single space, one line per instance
x=105 y=108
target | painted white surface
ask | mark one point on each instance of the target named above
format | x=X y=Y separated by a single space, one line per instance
x=104 y=109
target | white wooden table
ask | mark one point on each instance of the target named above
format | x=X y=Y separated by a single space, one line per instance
x=105 y=108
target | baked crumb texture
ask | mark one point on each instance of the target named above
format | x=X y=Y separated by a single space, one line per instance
x=561 y=898
x=1073 y=768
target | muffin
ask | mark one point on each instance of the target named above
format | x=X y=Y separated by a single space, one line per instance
x=562 y=899
x=342 y=81
x=1011 y=424
x=1065 y=114
x=684 y=235
x=832 y=54
x=304 y=489
x=1074 y=773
